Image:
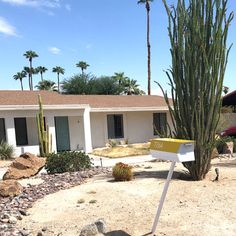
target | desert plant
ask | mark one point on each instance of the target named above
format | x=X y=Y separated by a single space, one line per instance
x=219 y=144
x=198 y=36
x=112 y=143
x=122 y=172
x=67 y=162
x=43 y=132
x=6 y=151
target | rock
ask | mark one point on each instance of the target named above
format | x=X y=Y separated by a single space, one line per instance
x=12 y=220
x=40 y=233
x=228 y=148
x=24 y=232
x=10 y=188
x=101 y=225
x=44 y=229
x=24 y=166
x=89 y=230
x=214 y=153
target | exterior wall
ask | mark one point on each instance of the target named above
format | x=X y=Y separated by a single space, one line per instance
x=138 y=127
x=76 y=131
x=98 y=129
x=227 y=120
x=32 y=131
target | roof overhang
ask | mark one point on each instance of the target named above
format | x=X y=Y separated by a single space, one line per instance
x=125 y=109
x=45 y=107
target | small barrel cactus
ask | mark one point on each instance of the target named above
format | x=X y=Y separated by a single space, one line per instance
x=122 y=172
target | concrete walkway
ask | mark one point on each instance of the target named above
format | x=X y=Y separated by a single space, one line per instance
x=109 y=162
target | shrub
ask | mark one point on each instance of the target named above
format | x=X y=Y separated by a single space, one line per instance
x=67 y=162
x=221 y=141
x=122 y=172
x=6 y=151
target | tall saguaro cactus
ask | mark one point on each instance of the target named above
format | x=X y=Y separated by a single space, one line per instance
x=198 y=36
x=43 y=132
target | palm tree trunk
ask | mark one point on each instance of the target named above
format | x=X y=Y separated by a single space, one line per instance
x=41 y=73
x=58 y=83
x=148 y=47
x=21 y=84
x=31 y=80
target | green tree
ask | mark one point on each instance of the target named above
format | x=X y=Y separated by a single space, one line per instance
x=225 y=89
x=46 y=85
x=77 y=84
x=147 y=5
x=120 y=77
x=198 y=37
x=30 y=55
x=59 y=70
x=20 y=76
x=132 y=88
x=41 y=70
x=82 y=65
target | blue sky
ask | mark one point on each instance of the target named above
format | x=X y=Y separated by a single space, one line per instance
x=110 y=35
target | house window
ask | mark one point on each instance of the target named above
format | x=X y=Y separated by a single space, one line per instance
x=115 y=126
x=2 y=130
x=159 y=123
x=21 y=131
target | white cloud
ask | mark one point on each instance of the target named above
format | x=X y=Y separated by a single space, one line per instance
x=88 y=46
x=7 y=28
x=68 y=7
x=35 y=3
x=54 y=50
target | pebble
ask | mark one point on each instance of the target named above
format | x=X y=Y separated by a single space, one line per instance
x=13 y=208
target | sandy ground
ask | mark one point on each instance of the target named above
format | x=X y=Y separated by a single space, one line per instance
x=200 y=208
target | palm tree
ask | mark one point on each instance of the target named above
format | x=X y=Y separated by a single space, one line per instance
x=41 y=70
x=20 y=76
x=225 y=89
x=132 y=88
x=27 y=72
x=46 y=85
x=147 y=5
x=30 y=55
x=59 y=70
x=120 y=77
x=83 y=65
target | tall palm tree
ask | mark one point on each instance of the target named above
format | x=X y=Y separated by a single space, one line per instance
x=147 y=5
x=82 y=65
x=20 y=76
x=46 y=85
x=59 y=70
x=30 y=55
x=28 y=72
x=41 y=70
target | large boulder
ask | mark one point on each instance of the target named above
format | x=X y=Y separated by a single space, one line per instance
x=25 y=166
x=10 y=188
x=228 y=148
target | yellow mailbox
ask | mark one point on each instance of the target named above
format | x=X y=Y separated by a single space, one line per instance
x=177 y=150
x=174 y=150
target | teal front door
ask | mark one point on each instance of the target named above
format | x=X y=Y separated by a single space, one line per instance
x=62 y=133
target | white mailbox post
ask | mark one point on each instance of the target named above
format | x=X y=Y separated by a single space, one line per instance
x=174 y=150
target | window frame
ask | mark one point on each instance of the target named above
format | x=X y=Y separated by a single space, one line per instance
x=116 y=132
x=157 y=124
x=24 y=142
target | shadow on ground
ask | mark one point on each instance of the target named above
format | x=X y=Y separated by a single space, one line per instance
x=117 y=233
x=162 y=174
x=225 y=164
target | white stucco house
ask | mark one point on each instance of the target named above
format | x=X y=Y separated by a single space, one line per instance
x=79 y=122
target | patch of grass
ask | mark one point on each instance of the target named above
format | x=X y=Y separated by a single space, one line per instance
x=92 y=201
x=80 y=201
x=91 y=192
x=123 y=150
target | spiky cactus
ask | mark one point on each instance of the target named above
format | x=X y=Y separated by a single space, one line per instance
x=43 y=131
x=198 y=36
